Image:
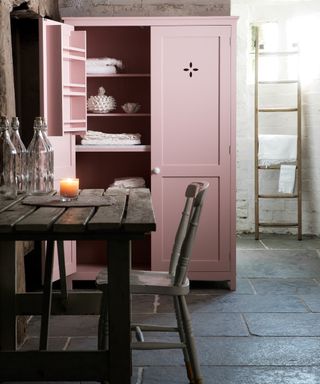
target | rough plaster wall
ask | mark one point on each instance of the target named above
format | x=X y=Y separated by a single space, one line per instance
x=144 y=7
x=281 y=11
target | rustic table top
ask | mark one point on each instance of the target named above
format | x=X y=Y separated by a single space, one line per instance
x=130 y=213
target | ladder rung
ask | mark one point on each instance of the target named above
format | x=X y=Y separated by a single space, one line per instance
x=277 y=109
x=272 y=167
x=278 y=53
x=279 y=82
x=278 y=225
x=284 y=196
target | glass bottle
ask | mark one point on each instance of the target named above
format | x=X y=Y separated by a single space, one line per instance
x=21 y=160
x=38 y=161
x=8 y=155
x=50 y=176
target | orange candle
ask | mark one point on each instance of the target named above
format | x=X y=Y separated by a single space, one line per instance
x=69 y=188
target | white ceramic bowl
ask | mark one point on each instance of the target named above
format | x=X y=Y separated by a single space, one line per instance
x=131 y=107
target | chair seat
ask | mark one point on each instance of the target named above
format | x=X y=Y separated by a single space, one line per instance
x=149 y=282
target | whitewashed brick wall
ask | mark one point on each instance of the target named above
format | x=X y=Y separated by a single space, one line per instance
x=281 y=11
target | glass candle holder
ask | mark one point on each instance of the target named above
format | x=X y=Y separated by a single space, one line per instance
x=69 y=189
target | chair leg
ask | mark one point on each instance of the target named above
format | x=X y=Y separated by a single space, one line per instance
x=183 y=339
x=190 y=342
x=103 y=327
x=47 y=295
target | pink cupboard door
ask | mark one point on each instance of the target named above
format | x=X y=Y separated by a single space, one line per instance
x=190 y=139
x=62 y=103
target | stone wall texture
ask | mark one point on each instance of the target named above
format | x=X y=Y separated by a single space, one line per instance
x=144 y=7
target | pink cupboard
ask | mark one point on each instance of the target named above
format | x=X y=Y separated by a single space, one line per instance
x=181 y=70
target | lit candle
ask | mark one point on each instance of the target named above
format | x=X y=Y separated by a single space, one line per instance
x=69 y=188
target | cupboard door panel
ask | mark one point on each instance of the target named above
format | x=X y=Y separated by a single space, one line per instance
x=64 y=166
x=64 y=157
x=62 y=77
x=211 y=247
x=190 y=138
x=51 y=75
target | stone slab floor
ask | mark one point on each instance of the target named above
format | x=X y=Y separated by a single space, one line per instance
x=266 y=332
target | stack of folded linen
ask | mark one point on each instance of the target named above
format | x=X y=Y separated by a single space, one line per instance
x=129 y=182
x=101 y=138
x=103 y=65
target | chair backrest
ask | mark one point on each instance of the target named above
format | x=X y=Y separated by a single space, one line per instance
x=187 y=229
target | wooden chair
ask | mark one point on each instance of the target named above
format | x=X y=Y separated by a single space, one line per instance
x=173 y=283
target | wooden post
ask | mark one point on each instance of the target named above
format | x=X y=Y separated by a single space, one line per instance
x=7 y=96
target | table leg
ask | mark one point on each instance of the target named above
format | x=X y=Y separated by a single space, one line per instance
x=47 y=297
x=8 y=285
x=119 y=264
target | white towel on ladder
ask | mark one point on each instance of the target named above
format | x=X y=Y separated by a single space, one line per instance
x=277 y=149
x=287 y=178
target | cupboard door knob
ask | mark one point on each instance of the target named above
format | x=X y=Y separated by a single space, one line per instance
x=156 y=171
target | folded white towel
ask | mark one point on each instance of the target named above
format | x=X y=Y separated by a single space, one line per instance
x=101 y=69
x=277 y=149
x=105 y=61
x=110 y=142
x=101 y=138
x=287 y=178
x=129 y=182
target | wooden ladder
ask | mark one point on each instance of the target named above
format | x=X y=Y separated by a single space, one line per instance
x=297 y=109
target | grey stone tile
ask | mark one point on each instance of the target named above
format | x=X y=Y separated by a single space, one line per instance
x=245 y=303
x=221 y=288
x=280 y=324
x=291 y=242
x=285 y=286
x=203 y=324
x=54 y=344
x=235 y=375
x=244 y=287
x=66 y=326
x=312 y=301
x=44 y=382
x=145 y=303
x=219 y=324
x=278 y=264
x=83 y=344
x=249 y=243
x=239 y=351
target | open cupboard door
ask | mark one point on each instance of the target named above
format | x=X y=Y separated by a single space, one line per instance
x=63 y=102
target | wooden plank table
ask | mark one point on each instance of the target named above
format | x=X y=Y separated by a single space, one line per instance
x=129 y=217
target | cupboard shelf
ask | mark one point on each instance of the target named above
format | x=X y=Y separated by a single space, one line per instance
x=73 y=57
x=75 y=121
x=113 y=148
x=74 y=94
x=74 y=49
x=74 y=85
x=117 y=114
x=118 y=75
